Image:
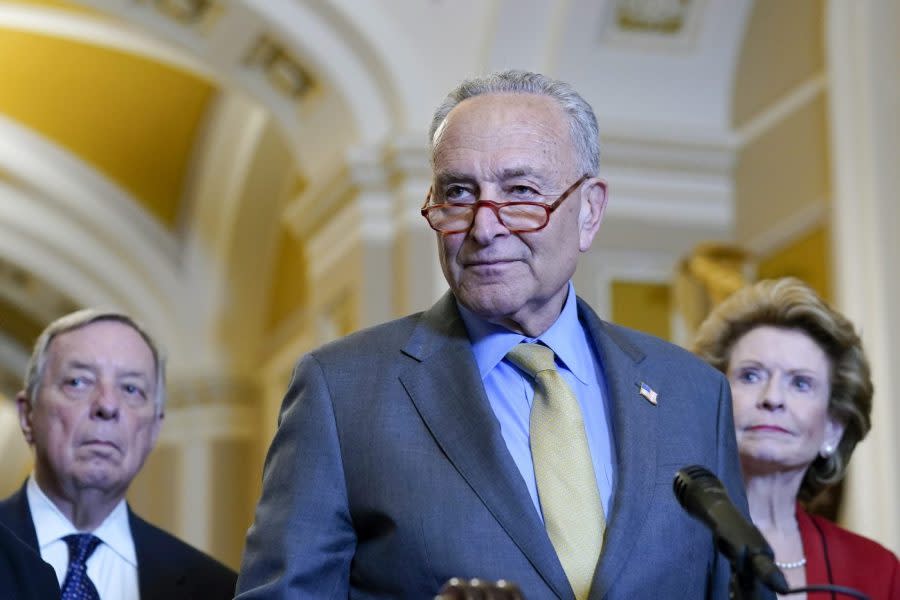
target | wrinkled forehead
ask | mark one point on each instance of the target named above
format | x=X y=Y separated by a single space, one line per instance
x=490 y=112
x=788 y=348
x=109 y=345
x=511 y=131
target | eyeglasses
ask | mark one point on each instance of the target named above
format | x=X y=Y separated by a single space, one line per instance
x=516 y=216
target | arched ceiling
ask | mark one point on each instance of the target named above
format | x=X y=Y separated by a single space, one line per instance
x=164 y=155
x=131 y=118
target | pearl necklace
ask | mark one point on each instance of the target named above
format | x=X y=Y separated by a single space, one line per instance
x=791 y=565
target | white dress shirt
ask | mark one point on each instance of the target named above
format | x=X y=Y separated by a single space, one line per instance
x=113 y=565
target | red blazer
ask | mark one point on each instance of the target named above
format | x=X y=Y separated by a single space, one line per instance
x=854 y=561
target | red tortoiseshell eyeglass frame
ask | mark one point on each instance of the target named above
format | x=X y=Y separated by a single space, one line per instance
x=496 y=207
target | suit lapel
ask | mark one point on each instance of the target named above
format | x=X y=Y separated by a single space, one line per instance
x=156 y=578
x=446 y=388
x=634 y=423
x=16 y=515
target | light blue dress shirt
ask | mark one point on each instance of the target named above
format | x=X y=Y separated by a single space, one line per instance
x=510 y=391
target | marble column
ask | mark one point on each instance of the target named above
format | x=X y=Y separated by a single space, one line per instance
x=202 y=480
x=863 y=53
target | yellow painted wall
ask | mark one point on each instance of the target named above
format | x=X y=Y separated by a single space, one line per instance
x=289 y=283
x=782 y=49
x=57 y=4
x=642 y=306
x=131 y=118
x=806 y=258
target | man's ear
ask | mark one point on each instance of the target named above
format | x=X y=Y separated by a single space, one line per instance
x=593 y=207
x=23 y=405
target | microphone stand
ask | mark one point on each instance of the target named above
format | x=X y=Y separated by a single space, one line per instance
x=752 y=570
x=743 y=585
x=704 y=497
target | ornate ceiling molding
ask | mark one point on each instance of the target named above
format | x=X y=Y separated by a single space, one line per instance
x=35 y=297
x=85 y=196
x=285 y=72
x=277 y=51
x=188 y=12
x=662 y=17
x=798 y=98
x=788 y=230
x=90 y=30
x=67 y=224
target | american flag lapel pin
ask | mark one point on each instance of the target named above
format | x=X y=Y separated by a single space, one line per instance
x=648 y=393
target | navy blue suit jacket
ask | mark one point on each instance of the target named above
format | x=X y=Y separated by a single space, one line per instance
x=23 y=574
x=388 y=473
x=168 y=569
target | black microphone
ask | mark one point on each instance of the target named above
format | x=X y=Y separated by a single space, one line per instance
x=704 y=497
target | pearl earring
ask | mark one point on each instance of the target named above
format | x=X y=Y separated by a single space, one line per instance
x=827 y=450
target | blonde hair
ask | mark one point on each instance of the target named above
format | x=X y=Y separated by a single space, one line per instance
x=790 y=304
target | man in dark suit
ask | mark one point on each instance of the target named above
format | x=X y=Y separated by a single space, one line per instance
x=92 y=408
x=508 y=432
x=23 y=575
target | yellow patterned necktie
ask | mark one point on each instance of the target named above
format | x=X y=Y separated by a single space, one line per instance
x=567 y=487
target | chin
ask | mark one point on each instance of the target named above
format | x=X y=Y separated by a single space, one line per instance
x=760 y=463
x=99 y=478
x=490 y=308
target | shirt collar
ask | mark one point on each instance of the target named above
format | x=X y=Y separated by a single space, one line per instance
x=50 y=524
x=490 y=342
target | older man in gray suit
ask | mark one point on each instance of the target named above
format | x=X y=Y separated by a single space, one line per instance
x=507 y=432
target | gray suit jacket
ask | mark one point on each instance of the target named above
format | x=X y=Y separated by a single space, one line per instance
x=388 y=473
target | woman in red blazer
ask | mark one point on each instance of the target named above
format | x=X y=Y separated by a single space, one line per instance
x=802 y=397
x=834 y=554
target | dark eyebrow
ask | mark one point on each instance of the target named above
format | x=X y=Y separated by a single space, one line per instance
x=518 y=172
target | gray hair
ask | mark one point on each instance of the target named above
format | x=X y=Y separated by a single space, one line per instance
x=582 y=122
x=37 y=364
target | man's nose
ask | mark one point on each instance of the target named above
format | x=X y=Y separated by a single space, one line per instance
x=106 y=403
x=486 y=224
